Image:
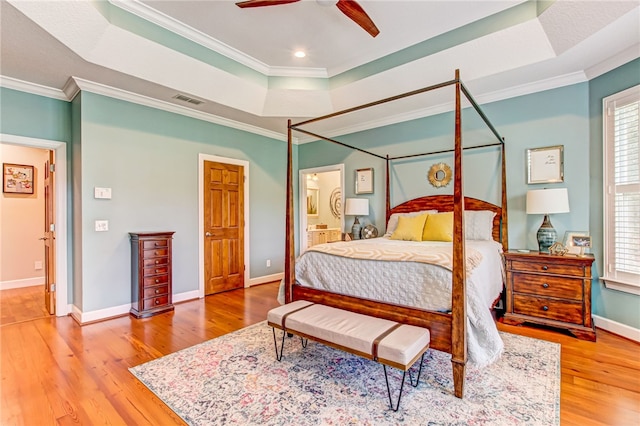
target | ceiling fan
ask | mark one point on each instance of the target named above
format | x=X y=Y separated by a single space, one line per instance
x=349 y=7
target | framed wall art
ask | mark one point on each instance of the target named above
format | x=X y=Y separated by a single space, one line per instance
x=364 y=181
x=17 y=178
x=545 y=165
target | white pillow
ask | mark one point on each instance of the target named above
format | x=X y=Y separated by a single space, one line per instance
x=393 y=220
x=478 y=224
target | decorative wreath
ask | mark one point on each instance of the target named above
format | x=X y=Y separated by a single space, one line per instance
x=439 y=175
x=335 y=202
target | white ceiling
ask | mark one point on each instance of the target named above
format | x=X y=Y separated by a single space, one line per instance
x=240 y=61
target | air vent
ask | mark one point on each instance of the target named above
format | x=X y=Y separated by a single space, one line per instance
x=185 y=98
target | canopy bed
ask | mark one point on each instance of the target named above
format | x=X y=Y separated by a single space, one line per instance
x=446 y=319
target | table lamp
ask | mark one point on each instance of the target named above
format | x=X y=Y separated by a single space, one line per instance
x=546 y=202
x=356 y=207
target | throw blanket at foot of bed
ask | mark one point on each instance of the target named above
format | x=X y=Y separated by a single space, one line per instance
x=387 y=342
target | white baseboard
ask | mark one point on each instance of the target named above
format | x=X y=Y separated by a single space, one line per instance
x=265 y=279
x=26 y=282
x=617 y=328
x=117 y=311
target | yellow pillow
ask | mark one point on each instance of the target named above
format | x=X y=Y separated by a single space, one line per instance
x=409 y=228
x=438 y=227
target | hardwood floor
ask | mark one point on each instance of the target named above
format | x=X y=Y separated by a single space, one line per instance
x=55 y=372
x=22 y=304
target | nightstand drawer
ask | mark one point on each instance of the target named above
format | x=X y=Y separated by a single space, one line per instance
x=548 y=285
x=559 y=310
x=548 y=268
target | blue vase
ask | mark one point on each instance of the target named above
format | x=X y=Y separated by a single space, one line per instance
x=547 y=236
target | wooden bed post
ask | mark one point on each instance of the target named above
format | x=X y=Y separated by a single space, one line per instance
x=504 y=235
x=458 y=296
x=289 y=250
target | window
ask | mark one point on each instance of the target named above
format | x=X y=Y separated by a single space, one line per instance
x=622 y=191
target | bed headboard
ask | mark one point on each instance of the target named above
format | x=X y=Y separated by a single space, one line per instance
x=444 y=203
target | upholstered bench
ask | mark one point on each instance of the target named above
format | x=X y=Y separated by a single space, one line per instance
x=387 y=342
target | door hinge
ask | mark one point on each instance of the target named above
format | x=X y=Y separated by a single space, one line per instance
x=52 y=287
x=52 y=168
x=52 y=227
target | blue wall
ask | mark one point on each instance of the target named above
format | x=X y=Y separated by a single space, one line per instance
x=616 y=305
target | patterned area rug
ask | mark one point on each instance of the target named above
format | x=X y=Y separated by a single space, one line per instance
x=235 y=379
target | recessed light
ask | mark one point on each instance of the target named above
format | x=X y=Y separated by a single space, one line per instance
x=299 y=54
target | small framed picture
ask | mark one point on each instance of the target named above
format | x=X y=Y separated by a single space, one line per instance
x=364 y=181
x=577 y=241
x=545 y=165
x=17 y=178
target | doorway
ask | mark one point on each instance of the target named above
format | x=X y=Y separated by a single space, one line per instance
x=321 y=205
x=59 y=215
x=224 y=253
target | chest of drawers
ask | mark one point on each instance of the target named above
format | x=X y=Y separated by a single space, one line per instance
x=550 y=290
x=150 y=273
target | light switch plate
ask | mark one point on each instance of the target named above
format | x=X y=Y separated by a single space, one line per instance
x=102 y=193
x=102 y=225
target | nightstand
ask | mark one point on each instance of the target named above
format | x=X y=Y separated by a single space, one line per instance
x=550 y=290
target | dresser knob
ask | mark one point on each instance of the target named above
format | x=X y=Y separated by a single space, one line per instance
x=157 y=271
x=157 y=261
x=545 y=308
x=545 y=285
x=157 y=302
x=545 y=267
x=157 y=281
x=157 y=291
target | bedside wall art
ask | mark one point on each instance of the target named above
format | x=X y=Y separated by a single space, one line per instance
x=364 y=181
x=545 y=165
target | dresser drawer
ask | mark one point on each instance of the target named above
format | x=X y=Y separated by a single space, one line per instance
x=541 y=307
x=155 y=270
x=155 y=302
x=548 y=286
x=158 y=261
x=156 y=291
x=155 y=280
x=152 y=244
x=547 y=268
x=158 y=252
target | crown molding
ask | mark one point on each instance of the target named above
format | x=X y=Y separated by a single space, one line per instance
x=613 y=62
x=154 y=16
x=112 y=92
x=33 y=88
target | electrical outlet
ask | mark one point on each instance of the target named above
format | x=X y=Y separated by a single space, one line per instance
x=268 y=263
x=37 y=265
x=102 y=225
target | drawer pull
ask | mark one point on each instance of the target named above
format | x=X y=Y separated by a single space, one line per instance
x=157 y=281
x=157 y=271
x=158 y=244
x=545 y=267
x=157 y=261
x=545 y=308
x=157 y=302
x=545 y=285
x=157 y=291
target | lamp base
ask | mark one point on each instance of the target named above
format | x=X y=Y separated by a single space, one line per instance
x=547 y=236
x=355 y=229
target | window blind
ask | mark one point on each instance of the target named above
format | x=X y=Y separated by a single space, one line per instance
x=622 y=188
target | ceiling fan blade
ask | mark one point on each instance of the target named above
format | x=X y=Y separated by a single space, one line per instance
x=357 y=14
x=260 y=3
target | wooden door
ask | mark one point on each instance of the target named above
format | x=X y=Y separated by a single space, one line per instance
x=223 y=227
x=49 y=237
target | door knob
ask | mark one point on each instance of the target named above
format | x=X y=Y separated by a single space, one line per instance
x=208 y=234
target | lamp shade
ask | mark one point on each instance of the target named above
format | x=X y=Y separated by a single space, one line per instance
x=356 y=207
x=547 y=201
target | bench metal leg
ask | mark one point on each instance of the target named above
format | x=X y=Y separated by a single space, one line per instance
x=386 y=379
x=404 y=374
x=303 y=341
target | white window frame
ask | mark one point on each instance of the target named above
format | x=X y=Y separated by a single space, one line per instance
x=617 y=280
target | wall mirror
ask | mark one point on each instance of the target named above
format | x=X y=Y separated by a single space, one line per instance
x=439 y=175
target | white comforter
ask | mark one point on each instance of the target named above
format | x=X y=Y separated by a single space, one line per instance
x=416 y=284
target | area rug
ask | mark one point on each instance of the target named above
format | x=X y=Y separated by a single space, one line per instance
x=235 y=379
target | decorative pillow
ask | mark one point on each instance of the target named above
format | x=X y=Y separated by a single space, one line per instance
x=478 y=224
x=393 y=220
x=438 y=227
x=409 y=228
